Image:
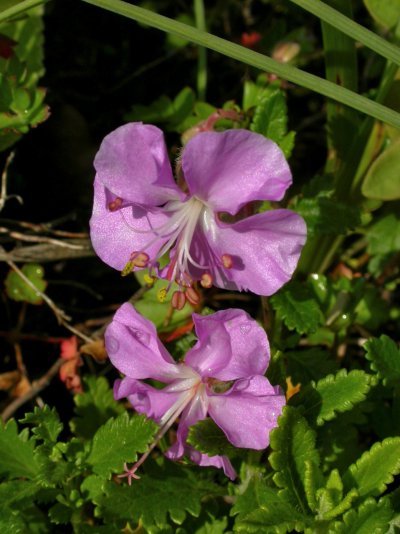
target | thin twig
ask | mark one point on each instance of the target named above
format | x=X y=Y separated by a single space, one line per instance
x=61 y=316
x=37 y=387
x=3 y=191
x=41 y=239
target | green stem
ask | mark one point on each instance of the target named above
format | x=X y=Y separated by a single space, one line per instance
x=20 y=8
x=200 y=17
x=255 y=59
x=351 y=28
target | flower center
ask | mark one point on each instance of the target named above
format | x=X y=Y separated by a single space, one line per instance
x=192 y=391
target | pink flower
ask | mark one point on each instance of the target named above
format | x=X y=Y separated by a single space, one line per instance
x=140 y=214
x=222 y=376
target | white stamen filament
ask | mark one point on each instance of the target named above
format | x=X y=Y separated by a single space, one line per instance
x=192 y=392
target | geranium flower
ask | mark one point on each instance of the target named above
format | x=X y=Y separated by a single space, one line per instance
x=221 y=376
x=140 y=213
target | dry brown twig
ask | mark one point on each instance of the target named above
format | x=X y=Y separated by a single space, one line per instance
x=3 y=191
x=37 y=387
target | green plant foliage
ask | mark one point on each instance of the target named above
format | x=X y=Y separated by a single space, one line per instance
x=94 y=407
x=384 y=356
x=47 y=424
x=375 y=469
x=384 y=235
x=18 y=289
x=166 y=492
x=262 y=509
x=21 y=100
x=270 y=118
x=370 y=517
x=208 y=438
x=385 y=12
x=334 y=394
x=122 y=437
x=297 y=308
x=158 y=310
x=292 y=443
x=16 y=452
x=382 y=181
x=309 y=364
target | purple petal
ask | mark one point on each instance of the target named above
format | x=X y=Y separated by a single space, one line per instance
x=248 y=412
x=116 y=234
x=135 y=350
x=144 y=398
x=264 y=248
x=133 y=164
x=229 y=169
x=231 y=345
x=221 y=462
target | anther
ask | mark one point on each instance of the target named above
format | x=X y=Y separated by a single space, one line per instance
x=139 y=259
x=192 y=296
x=206 y=280
x=149 y=280
x=115 y=204
x=178 y=300
x=127 y=269
x=162 y=295
x=227 y=261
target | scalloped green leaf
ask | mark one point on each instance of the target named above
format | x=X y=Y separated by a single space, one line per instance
x=298 y=308
x=327 y=216
x=375 y=469
x=292 y=443
x=94 y=407
x=270 y=119
x=313 y=480
x=309 y=364
x=261 y=509
x=384 y=357
x=331 y=502
x=206 y=437
x=384 y=235
x=47 y=424
x=333 y=394
x=119 y=441
x=169 y=491
x=370 y=518
x=17 y=457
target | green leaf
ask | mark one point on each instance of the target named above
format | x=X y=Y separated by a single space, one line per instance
x=382 y=181
x=384 y=357
x=385 y=12
x=206 y=437
x=375 y=469
x=16 y=453
x=60 y=514
x=119 y=441
x=18 y=289
x=16 y=492
x=297 y=307
x=332 y=394
x=309 y=364
x=160 y=312
x=330 y=498
x=168 y=491
x=261 y=509
x=384 y=236
x=94 y=407
x=47 y=424
x=371 y=518
x=292 y=443
x=327 y=216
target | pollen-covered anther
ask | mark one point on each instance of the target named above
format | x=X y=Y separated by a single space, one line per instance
x=127 y=269
x=139 y=259
x=115 y=204
x=227 y=261
x=178 y=300
x=162 y=295
x=192 y=296
x=206 y=280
